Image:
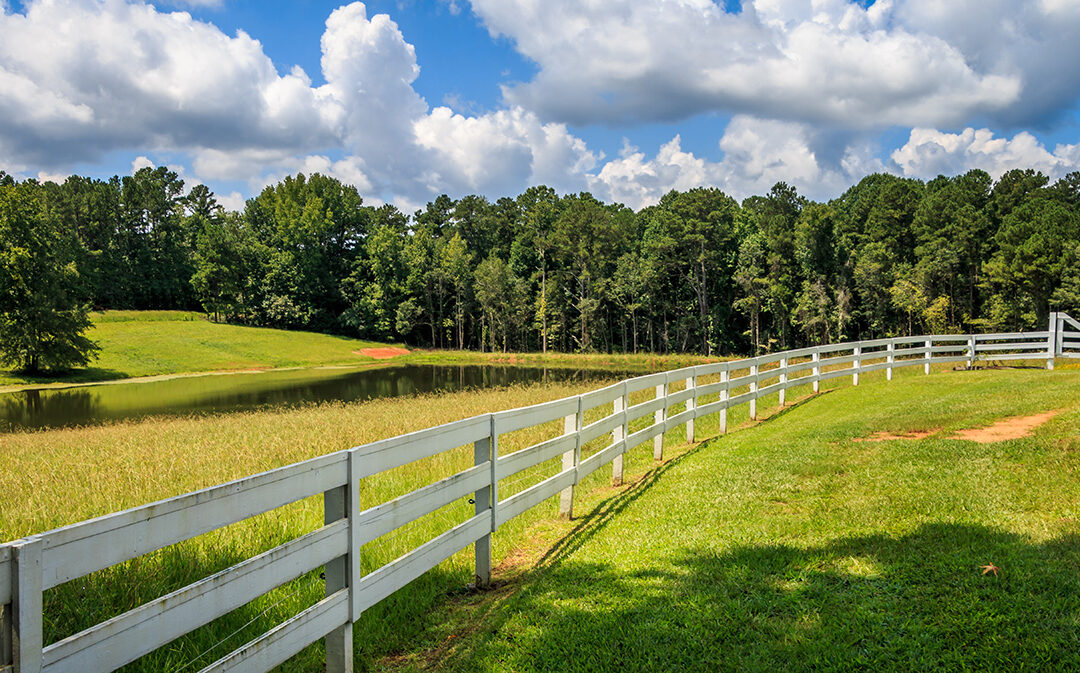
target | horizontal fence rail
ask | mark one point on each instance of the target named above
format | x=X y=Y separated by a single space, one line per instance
x=30 y=566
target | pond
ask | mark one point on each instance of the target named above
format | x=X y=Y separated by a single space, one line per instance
x=90 y=405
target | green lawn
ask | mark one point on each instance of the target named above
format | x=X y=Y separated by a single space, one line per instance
x=789 y=546
x=150 y=343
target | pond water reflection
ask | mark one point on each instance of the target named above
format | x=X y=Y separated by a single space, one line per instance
x=88 y=405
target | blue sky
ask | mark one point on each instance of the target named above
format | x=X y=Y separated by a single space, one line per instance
x=625 y=98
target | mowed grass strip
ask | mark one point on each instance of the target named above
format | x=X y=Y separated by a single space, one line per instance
x=152 y=343
x=790 y=546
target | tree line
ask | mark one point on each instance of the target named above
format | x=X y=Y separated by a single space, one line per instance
x=697 y=272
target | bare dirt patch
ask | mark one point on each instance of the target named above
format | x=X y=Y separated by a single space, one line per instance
x=1009 y=428
x=896 y=436
x=382 y=353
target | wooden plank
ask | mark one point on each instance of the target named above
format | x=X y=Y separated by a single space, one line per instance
x=644 y=435
x=648 y=381
x=379 y=520
x=386 y=580
x=678 y=397
x=710 y=408
x=1013 y=336
x=711 y=388
x=607 y=395
x=834 y=374
x=602 y=427
x=678 y=419
x=711 y=368
x=127 y=637
x=921 y=350
x=537 y=414
x=394 y=452
x=287 y=639
x=955 y=348
x=600 y=459
x=644 y=409
x=525 y=500
x=840 y=360
x=771 y=388
x=74 y=551
x=512 y=463
x=1027 y=345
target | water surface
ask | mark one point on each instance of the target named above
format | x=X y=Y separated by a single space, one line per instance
x=90 y=405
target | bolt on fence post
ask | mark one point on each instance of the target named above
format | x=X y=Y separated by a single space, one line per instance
x=571 y=425
x=482 y=498
x=725 y=378
x=691 y=384
x=783 y=381
x=753 y=390
x=658 y=418
x=890 y=359
x=339 y=642
x=618 y=434
x=817 y=370
x=929 y=355
x=26 y=605
x=856 y=365
x=1051 y=341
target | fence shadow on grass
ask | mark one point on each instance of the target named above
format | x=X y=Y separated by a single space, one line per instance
x=915 y=602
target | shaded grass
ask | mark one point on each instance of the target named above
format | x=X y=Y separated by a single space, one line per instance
x=789 y=546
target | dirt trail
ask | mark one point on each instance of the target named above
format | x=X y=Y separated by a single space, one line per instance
x=1005 y=429
x=1008 y=428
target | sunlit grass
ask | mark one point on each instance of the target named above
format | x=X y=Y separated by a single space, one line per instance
x=151 y=343
x=787 y=545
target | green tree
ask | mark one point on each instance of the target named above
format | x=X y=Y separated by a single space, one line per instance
x=43 y=314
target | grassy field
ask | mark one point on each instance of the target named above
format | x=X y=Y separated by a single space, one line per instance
x=789 y=545
x=784 y=545
x=161 y=343
x=152 y=343
x=52 y=478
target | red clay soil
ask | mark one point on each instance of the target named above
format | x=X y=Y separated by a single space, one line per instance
x=1009 y=428
x=382 y=353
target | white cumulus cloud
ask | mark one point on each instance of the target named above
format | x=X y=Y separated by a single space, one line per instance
x=899 y=62
x=929 y=152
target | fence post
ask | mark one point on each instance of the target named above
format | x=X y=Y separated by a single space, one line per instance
x=658 y=417
x=856 y=365
x=817 y=370
x=725 y=378
x=26 y=605
x=691 y=384
x=783 y=381
x=1051 y=341
x=482 y=498
x=571 y=425
x=339 y=642
x=929 y=355
x=890 y=359
x=753 y=389
x=617 y=435
x=971 y=351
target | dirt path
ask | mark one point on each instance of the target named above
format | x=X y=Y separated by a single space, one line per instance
x=1003 y=430
x=1008 y=428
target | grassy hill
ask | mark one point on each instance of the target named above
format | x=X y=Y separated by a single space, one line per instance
x=150 y=343
x=791 y=545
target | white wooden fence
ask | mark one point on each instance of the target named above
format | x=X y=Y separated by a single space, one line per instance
x=39 y=562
